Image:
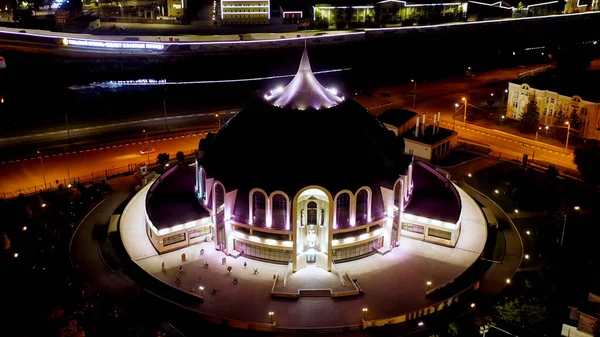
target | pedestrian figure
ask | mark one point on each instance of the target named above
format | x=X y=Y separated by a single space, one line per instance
x=214 y=291
x=177 y=280
x=245 y=264
x=223 y=261
x=163 y=265
x=235 y=280
x=201 y=251
x=255 y=271
x=205 y=265
x=180 y=269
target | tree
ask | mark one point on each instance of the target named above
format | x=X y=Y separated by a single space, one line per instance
x=587 y=159
x=510 y=310
x=452 y=329
x=575 y=120
x=531 y=118
x=180 y=156
x=162 y=158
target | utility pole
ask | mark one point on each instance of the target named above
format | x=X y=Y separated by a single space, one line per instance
x=535 y=142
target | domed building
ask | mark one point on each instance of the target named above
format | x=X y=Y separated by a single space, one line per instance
x=304 y=175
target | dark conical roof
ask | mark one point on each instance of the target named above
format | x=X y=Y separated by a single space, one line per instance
x=342 y=146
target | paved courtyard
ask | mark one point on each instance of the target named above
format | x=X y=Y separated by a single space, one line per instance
x=393 y=284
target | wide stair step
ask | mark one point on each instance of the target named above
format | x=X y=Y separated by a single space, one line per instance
x=314 y=292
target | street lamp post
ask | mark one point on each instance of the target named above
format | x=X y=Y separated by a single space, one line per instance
x=364 y=311
x=535 y=142
x=568 y=130
x=271 y=313
x=562 y=236
x=219 y=118
x=414 y=93
x=454 y=116
x=68 y=131
x=165 y=110
x=43 y=173
x=484 y=329
x=465 y=113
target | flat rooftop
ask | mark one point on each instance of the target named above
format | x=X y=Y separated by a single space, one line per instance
x=433 y=197
x=396 y=117
x=428 y=138
x=173 y=200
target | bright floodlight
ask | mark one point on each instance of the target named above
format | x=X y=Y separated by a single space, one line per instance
x=420 y=323
x=528 y=232
x=517 y=211
x=201 y=287
x=496 y=191
x=271 y=313
x=472 y=305
x=16 y=255
x=43 y=205
x=428 y=283
x=507 y=281
x=365 y=309
x=24 y=228
x=470 y=175
x=526 y=256
x=456 y=105
x=576 y=208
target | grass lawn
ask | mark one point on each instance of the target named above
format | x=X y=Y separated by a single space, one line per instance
x=495 y=246
x=456 y=157
x=109 y=255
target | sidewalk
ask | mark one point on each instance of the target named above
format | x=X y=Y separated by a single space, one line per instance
x=84 y=249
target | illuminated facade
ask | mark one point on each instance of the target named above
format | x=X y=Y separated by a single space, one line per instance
x=555 y=107
x=317 y=179
x=245 y=12
x=175 y=8
x=387 y=11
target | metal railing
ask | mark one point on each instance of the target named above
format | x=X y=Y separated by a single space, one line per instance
x=93 y=177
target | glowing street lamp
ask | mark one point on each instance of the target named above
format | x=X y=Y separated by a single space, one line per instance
x=464 y=99
x=271 y=314
x=24 y=228
x=568 y=130
x=528 y=232
x=472 y=305
x=507 y=281
x=219 y=118
x=576 y=208
x=414 y=93
x=526 y=256
x=428 y=285
x=15 y=255
x=364 y=311
x=420 y=323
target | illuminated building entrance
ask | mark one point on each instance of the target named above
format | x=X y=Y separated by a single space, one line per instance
x=313 y=230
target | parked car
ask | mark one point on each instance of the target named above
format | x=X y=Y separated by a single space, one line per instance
x=147 y=150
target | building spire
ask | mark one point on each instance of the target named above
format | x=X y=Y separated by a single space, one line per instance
x=304 y=91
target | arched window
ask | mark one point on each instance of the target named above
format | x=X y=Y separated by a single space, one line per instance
x=202 y=189
x=279 y=215
x=219 y=197
x=397 y=193
x=362 y=207
x=259 y=208
x=312 y=213
x=342 y=216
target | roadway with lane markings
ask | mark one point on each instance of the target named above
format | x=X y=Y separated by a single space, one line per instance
x=29 y=174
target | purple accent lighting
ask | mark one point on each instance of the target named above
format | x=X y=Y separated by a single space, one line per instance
x=304 y=91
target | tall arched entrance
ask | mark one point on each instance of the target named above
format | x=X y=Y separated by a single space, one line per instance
x=312 y=228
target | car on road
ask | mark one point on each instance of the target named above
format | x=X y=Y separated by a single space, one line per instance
x=147 y=150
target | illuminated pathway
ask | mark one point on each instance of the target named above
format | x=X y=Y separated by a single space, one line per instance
x=393 y=284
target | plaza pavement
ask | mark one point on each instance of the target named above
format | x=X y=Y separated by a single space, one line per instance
x=393 y=284
x=120 y=285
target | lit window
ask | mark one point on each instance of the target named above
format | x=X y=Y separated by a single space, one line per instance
x=279 y=215
x=258 y=208
x=343 y=210
x=362 y=207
